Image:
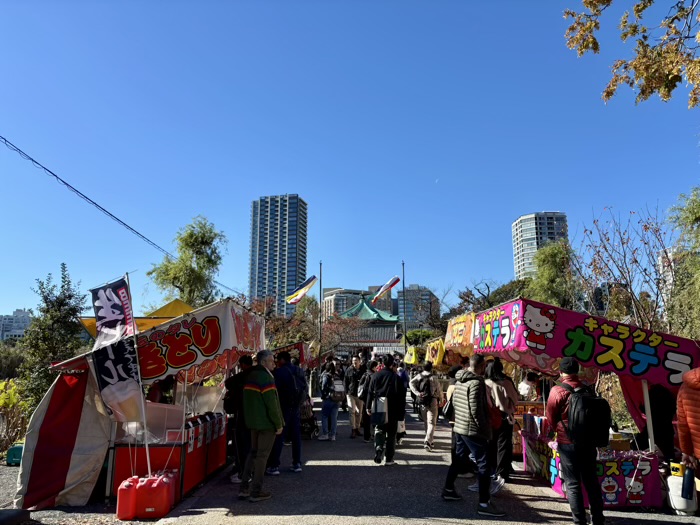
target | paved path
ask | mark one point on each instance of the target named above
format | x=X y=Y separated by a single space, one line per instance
x=341 y=485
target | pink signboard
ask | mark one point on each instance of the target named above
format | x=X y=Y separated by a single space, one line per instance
x=536 y=335
x=627 y=479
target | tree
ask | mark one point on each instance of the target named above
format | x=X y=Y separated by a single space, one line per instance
x=554 y=283
x=418 y=337
x=11 y=358
x=52 y=336
x=622 y=258
x=190 y=277
x=665 y=53
x=487 y=294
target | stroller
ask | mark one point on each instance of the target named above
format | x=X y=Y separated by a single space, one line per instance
x=309 y=423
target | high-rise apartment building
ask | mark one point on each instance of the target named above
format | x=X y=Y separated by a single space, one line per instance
x=530 y=233
x=278 y=240
x=13 y=326
x=420 y=306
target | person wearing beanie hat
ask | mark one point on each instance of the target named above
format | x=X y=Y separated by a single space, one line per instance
x=577 y=460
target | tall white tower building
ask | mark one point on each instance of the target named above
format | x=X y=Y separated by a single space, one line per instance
x=530 y=233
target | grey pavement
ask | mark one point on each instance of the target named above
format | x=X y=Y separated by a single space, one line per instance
x=341 y=485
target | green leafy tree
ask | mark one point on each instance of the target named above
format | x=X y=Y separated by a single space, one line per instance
x=191 y=276
x=52 y=336
x=682 y=267
x=665 y=50
x=554 y=282
x=11 y=358
x=418 y=337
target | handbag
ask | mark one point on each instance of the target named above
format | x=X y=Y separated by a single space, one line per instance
x=495 y=417
x=448 y=411
x=380 y=414
x=401 y=427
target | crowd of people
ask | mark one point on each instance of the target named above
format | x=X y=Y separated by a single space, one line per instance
x=266 y=402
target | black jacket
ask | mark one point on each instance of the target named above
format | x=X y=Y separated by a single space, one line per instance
x=387 y=384
x=233 y=400
x=352 y=380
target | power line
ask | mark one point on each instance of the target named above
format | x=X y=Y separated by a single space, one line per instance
x=87 y=199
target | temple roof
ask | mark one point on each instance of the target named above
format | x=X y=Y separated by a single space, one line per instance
x=365 y=311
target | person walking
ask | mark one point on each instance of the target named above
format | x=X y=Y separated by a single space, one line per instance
x=689 y=418
x=355 y=404
x=293 y=391
x=466 y=469
x=428 y=391
x=363 y=392
x=386 y=388
x=233 y=404
x=504 y=397
x=329 y=407
x=577 y=460
x=472 y=433
x=263 y=416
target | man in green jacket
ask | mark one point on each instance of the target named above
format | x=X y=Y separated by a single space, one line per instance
x=263 y=416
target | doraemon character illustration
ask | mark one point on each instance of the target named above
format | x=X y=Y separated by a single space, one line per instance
x=540 y=324
x=611 y=490
x=635 y=490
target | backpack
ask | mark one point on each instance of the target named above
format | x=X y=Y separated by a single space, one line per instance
x=589 y=417
x=425 y=389
x=338 y=392
x=362 y=387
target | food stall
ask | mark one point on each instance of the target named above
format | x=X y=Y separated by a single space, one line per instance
x=95 y=413
x=536 y=336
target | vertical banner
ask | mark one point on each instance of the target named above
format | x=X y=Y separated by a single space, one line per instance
x=113 y=312
x=118 y=379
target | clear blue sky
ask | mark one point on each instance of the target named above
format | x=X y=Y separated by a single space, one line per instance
x=414 y=130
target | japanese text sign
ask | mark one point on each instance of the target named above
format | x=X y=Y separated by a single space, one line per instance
x=536 y=334
x=118 y=379
x=197 y=345
x=113 y=313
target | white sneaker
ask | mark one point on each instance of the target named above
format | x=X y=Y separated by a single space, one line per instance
x=332 y=438
x=323 y=437
x=235 y=478
x=496 y=485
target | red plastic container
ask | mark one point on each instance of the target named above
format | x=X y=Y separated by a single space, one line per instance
x=153 y=497
x=126 y=499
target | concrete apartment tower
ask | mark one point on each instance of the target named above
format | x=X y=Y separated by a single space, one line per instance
x=278 y=226
x=530 y=233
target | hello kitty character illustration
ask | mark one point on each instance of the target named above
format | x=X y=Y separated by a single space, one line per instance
x=611 y=489
x=540 y=324
x=635 y=490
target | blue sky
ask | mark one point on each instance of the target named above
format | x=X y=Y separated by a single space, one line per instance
x=416 y=131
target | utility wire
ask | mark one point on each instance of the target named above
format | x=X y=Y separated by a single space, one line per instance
x=87 y=199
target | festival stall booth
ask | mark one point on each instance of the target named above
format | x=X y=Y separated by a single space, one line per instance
x=536 y=336
x=95 y=410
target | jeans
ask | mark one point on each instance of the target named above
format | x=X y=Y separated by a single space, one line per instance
x=261 y=442
x=385 y=439
x=430 y=417
x=479 y=449
x=464 y=464
x=356 y=406
x=292 y=429
x=329 y=417
x=578 y=466
x=501 y=449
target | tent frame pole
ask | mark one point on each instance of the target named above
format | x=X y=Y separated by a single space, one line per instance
x=647 y=412
x=138 y=369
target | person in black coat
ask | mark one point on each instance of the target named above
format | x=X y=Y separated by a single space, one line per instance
x=388 y=385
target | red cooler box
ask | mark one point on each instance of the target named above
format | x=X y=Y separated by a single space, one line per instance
x=216 y=457
x=195 y=467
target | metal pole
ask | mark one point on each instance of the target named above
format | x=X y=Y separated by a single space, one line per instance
x=138 y=369
x=405 y=333
x=647 y=411
x=320 y=315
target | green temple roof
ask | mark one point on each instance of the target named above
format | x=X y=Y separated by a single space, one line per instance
x=365 y=311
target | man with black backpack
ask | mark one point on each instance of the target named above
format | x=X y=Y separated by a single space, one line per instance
x=428 y=393
x=293 y=391
x=580 y=420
